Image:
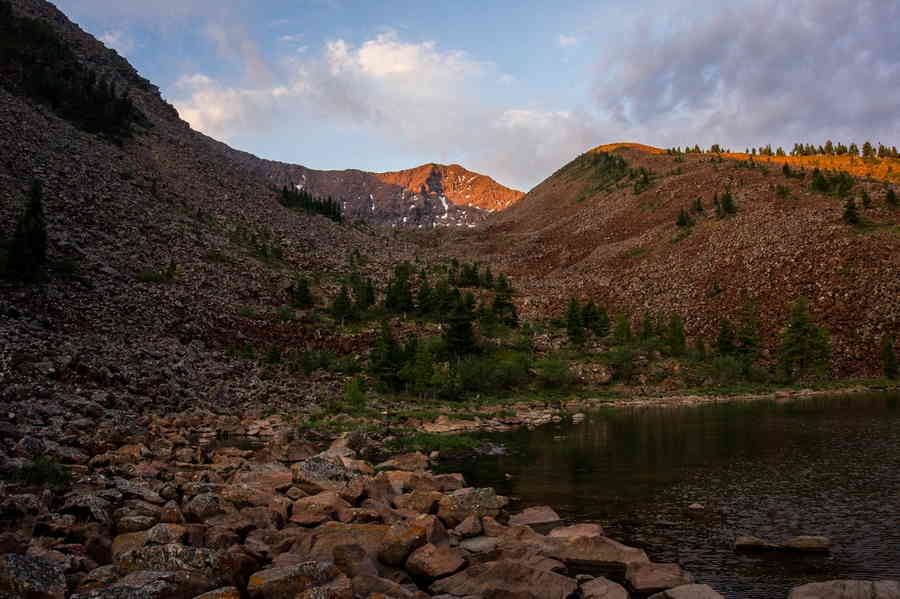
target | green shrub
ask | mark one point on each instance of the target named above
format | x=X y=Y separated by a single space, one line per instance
x=42 y=471
x=554 y=373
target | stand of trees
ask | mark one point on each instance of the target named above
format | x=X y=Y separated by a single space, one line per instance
x=38 y=63
x=303 y=200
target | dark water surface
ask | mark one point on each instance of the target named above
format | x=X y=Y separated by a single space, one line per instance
x=772 y=469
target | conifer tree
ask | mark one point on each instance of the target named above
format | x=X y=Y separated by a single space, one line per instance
x=459 y=334
x=725 y=344
x=728 y=206
x=684 y=219
x=424 y=298
x=590 y=315
x=698 y=205
x=889 y=358
x=851 y=214
x=300 y=294
x=600 y=327
x=503 y=283
x=804 y=345
x=675 y=335
x=341 y=307
x=700 y=349
x=28 y=251
x=622 y=331
x=423 y=370
x=890 y=196
x=574 y=324
x=866 y=200
x=386 y=359
x=648 y=327
x=504 y=309
x=398 y=297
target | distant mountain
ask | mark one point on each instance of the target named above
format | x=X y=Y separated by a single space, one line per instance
x=605 y=227
x=430 y=195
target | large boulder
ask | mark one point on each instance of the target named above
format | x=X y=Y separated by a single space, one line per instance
x=320 y=543
x=750 y=543
x=603 y=588
x=540 y=517
x=652 y=577
x=577 y=530
x=594 y=551
x=202 y=569
x=317 y=474
x=145 y=585
x=848 y=589
x=807 y=543
x=409 y=462
x=203 y=506
x=31 y=577
x=401 y=539
x=431 y=561
x=317 y=508
x=689 y=591
x=506 y=578
x=295 y=581
x=460 y=504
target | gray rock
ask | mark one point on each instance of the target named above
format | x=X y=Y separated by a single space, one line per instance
x=479 y=544
x=460 y=504
x=31 y=577
x=808 y=543
x=603 y=588
x=651 y=577
x=276 y=583
x=689 y=591
x=848 y=589
x=749 y=543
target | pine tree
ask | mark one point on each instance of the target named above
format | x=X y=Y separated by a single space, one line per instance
x=622 y=331
x=890 y=196
x=386 y=358
x=459 y=334
x=889 y=358
x=574 y=324
x=866 y=200
x=675 y=335
x=300 y=294
x=725 y=344
x=804 y=345
x=698 y=206
x=28 y=251
x=684 y=219
x=589 y=315
x=398 y=297
x=851 y=214
x=504 y=309
x=728 y=206
x=700 y=349
x=424 y=298
x=342 y=308
x=502 y=284
x=601 y=325
x=423 y=370
x=648 y=327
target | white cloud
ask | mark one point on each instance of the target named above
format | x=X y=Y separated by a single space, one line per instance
x=567 y=41
x=119 y=41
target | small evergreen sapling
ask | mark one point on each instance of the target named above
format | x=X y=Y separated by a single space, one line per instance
x=889 y=359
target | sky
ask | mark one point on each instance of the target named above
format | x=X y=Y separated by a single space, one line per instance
x=510 y=88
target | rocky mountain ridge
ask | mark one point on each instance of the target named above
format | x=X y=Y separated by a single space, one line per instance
x=431 y=195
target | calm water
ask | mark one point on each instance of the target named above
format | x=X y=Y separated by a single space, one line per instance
x=828 y=466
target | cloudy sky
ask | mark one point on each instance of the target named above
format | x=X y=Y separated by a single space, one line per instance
x=511 y=88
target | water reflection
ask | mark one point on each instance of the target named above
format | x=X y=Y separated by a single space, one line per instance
x=773 y=469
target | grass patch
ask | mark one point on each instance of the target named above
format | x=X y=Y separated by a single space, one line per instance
x=636 y=252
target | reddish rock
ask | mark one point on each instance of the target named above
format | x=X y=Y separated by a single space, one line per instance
x=652 y=577
x=432 y=561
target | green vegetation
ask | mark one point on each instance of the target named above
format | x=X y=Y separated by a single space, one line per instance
x=162 y=276
x=851 y=212
x=39 y=64
x=300 y=199
x=41 y=471
x=838 y=183
x=805 y=347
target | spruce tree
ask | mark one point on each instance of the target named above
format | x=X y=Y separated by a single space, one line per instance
x=459 y=334
x=622 y=331
x=386 y=359
x=590 y=315
x=424 y=298
x=28 y=251
x=851 y=214
x=574 y=323
x=890 y=196
x=728 y=205
x=601 y=325
x=675 y=336
x=804 y=345
x=423 y=370
x=342 y=308
x=889 y=358
x=725 y=344
x=505 y=310
x=300 y=294
x=866 y=200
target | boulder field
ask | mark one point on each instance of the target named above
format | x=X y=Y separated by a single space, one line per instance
x=153 y=521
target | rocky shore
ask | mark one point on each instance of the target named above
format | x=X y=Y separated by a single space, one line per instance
x=169 y=515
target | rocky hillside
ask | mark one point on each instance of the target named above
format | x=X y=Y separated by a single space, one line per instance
x=605 y=227
x=431 y=195
x=165 y=251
